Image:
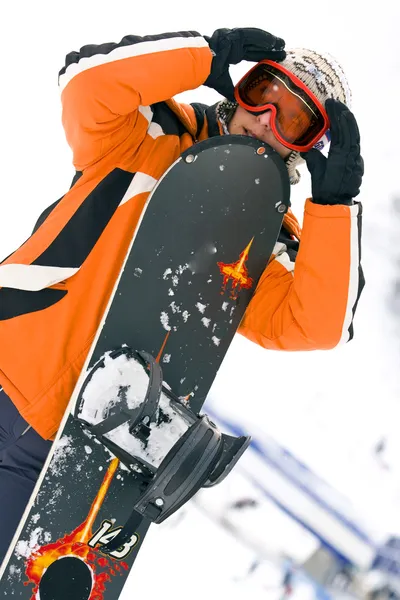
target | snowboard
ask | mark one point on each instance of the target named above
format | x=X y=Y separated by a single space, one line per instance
x=205 y=237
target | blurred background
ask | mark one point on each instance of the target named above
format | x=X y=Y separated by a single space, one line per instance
x=312 y=510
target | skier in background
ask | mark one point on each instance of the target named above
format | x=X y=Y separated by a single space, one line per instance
x=287 y=581
x=379 y=452
x=120 y=117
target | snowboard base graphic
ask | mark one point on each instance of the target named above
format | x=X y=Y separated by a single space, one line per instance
x=205 y=238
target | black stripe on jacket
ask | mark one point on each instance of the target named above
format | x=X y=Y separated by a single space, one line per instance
x=72 y=245
x=128 y=40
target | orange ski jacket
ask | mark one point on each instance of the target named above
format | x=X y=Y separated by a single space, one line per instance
x=125 y=130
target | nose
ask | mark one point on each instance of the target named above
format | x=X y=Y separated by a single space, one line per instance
x=265 y=119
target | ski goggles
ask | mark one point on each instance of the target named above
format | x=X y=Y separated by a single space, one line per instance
x=298 y=119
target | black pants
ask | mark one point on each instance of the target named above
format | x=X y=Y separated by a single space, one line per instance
x=22 y=455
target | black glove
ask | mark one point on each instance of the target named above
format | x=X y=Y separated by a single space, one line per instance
x=231 y=46
x=337 y=179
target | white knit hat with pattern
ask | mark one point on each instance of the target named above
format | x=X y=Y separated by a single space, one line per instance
x=322 y=74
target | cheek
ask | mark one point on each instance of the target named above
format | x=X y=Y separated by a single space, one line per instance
x=280 y=148
x=236 y=125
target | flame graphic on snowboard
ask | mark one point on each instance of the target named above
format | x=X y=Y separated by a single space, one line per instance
x=237 y=273
x=78 y=545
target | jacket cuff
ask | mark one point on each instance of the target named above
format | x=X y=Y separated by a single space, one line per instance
x=332 y=210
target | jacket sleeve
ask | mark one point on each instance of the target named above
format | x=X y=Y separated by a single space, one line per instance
x=104 y=86
x=307 y=302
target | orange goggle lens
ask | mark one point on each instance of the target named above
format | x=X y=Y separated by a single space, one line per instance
x=299 y=119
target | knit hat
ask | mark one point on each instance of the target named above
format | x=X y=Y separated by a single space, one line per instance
x=322 y=74
x=225 y=111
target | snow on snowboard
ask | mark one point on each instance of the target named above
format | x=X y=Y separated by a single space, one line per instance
x=133 y=445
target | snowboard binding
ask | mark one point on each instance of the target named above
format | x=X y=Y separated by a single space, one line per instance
x=193 y=452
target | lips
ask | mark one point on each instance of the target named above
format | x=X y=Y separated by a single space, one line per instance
x=249 y=133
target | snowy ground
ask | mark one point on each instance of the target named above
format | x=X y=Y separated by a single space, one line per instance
x=329 y=408
x=208 y=562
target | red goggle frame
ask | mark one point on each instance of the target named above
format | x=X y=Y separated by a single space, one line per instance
x=298 y=119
